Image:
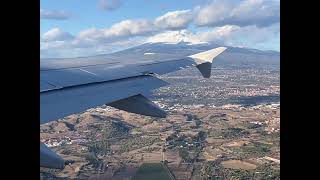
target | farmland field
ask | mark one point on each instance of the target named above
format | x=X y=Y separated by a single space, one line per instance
x=154 y=171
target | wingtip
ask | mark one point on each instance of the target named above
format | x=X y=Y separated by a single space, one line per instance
x=204 y=60
x=207 y=56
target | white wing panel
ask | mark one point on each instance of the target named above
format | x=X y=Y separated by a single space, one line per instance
x=44 y=86
x=107 y=73
x=68 y=77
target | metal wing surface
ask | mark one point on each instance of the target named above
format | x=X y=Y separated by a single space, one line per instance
x=69 y=86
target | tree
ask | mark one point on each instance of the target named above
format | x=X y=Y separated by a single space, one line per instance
x=184 y=154
x=202 y=136
x=93 y=160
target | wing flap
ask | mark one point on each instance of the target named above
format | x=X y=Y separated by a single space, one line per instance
x=140 y=105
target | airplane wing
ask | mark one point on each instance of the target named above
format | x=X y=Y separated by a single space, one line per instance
x=69 y=86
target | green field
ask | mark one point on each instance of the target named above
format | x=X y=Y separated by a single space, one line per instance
x=154 y=171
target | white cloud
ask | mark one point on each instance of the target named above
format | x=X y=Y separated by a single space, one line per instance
x=174 y=20
x=130 y=28
x=175 y=37
x=241 y=13
x=110 y=5
x=54 y=14
x=119 y=30
x=229 y=35
x=254 y=36
x=227 y=12
x=219 y=35
x=60 y=49
x=56 y=34
x=139 y=27
x=52 y=45
x=247 y=23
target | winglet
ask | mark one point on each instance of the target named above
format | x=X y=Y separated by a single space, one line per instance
x=204 y=60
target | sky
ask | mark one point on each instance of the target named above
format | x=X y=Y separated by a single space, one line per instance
x=76 y=28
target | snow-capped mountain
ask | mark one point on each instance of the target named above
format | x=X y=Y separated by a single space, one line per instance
x=233 y=56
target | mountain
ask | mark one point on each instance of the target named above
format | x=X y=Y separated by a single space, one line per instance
x=233 y=56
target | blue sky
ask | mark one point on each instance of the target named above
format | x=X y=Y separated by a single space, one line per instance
x=86 y=13
x=86 y=27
